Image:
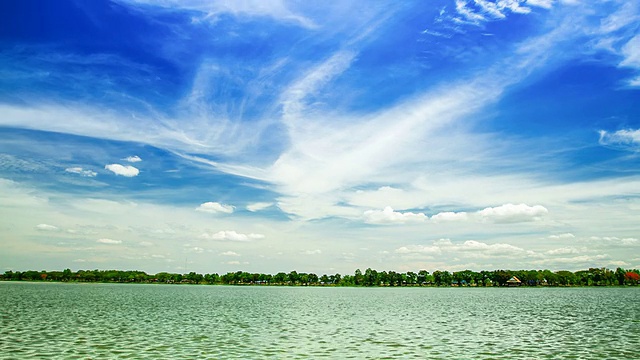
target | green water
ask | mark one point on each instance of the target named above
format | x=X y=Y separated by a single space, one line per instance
x=91 y=321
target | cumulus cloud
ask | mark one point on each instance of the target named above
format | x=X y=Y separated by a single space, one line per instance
x=489 y=249
x=313 y=252
x=109 y=241
x=126 y=171
x=626 y=139
x=258 y=206
x=419 y=249
x=82 y=172
x=450 y=216
x=389 y=216
x=132 y=159
x=215 y=207
x=46 y=227
x=510 y=213
x=231 y=235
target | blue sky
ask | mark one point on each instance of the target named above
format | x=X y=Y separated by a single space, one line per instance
x=272 y=136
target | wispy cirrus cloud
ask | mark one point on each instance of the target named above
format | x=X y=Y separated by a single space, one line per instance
x=210 y=11
x=215 y=207
x=109 y=241
x=133 y=159
x=82 y=172
x=258 y=206
x=47 y=227
x=562 y=236
x=626 y=139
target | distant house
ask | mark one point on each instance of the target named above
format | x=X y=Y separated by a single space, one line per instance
x=514 y=281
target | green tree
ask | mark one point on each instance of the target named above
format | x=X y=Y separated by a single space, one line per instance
x=370 y=277
x=620 y=272
x=358 y=278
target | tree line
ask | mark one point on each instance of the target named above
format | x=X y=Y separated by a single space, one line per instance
x=370 y=277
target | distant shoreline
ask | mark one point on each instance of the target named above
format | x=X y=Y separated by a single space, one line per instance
x=368 y=278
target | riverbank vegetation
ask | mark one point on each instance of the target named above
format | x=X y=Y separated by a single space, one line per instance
x=590 y=277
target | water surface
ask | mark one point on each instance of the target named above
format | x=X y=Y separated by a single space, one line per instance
x=82 y=321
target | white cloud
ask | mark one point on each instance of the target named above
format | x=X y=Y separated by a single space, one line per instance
x=510 y=213
x=132 y=159
x=215 y=207
x=231 y=235
x=631 y=53
x=468 y=14
x=388 y=216
x=582 y=259
x=489 y=249
x=293 y=98
x=634 y=82
x=449 y=216
x=562 y=236
x=210 y=10
x=614 y=240
x=470 y=247
x=419 y=249
x=312 y=252
x=109 y=241
x=490 y=8
x=46 y=227
x=126 y=171
x=547 y=4
x=496 y=10
x=258 y=206
x=628 y=139
x=563 y=251
x=619 y=263
x=229 y=253
x=81 y=171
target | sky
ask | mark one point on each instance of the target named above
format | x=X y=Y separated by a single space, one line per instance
x=268 y=136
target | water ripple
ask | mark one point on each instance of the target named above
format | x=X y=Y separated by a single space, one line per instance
x=90 y=321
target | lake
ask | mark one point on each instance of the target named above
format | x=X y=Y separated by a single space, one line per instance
x=81 y=321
